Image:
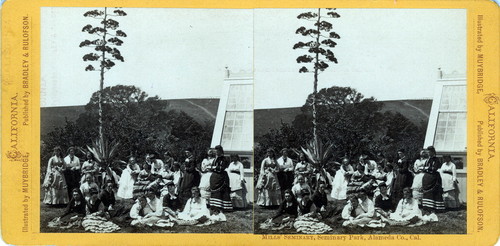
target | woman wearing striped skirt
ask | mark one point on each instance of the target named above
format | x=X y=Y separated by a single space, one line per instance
x=220 y=199
x=432 y=197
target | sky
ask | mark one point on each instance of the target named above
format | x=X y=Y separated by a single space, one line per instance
x=390 y=54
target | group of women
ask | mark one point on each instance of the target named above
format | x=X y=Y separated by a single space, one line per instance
x=367 y=192
x=163 y=192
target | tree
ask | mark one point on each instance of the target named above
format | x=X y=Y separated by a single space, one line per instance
x=107 y=38
x=319 y=49
x=352 y=124
x=140 y=123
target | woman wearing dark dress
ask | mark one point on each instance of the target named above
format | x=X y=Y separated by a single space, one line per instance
x=306 y=205
x=404 y=178
x=220 y=198
x=171 y=202
x=190 y=178
x=287 y=211
x=75 y=208
x=432 y=197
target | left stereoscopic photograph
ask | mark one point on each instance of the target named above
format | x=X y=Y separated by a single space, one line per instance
x=146 y=120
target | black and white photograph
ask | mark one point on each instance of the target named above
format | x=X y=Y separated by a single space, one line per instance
x=146 y=120
x=360 y=121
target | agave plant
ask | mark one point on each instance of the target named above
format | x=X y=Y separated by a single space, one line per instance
x=318 y=153
x=104 y=151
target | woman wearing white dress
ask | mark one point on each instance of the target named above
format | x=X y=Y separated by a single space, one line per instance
x=407 y=209
x=127 y=179
x=196 y=207
x=54 y=183
x=268 y=188
x=449 y=182
x=237 y=182
x=340 y=181
x=206 y=172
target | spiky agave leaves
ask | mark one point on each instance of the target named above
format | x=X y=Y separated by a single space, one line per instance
x=104 y=151
x=318 y=153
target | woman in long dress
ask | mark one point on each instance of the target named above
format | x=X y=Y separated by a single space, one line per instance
x=450 y=188
x=418 y=171
x=340 y=181
x=206 y=172
x=403 y=177
x=268 y=188
x=237 y=182
x=127 y=179
x=220 y=198
x=432 y=197
x=56 y=190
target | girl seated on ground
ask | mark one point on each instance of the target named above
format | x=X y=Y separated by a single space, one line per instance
x=171 y=203
x=75 y=211
x=146 y=211
x=383 y=202
x=358 y=211
x=195 y=211
x=407 y=211
x=306 y=205
x=287 y=211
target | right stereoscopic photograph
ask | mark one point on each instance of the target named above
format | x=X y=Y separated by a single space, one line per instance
x=360 y=121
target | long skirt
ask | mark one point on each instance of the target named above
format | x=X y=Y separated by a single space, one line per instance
x=220 y=191
x=450 y=197
x=56 y=190
x=432 y=197
x=268 y=189
x=401 y=181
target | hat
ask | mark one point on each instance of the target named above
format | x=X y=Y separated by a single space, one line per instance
x=170 y=182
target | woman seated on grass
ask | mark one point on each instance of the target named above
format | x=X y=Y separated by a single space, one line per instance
x=306 y=205
x=287 y=211
x=358 y=211
x=75 y=211
x=195 y=211
x=172 y=204
x=145 y=212
x=383 y=202
x=407 y=211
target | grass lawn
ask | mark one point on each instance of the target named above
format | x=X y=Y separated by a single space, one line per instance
x=239 y=221
x=450 y=222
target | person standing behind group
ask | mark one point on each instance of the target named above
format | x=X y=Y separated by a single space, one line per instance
x=304 y=168
x=432 y=197
x=450 y=188
x=268 y=188
x=54 y=183
x=236 y=174
x=90 y=166
x=220 y=198
x=286 y=168
x=72 y=170
x=206 y=172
